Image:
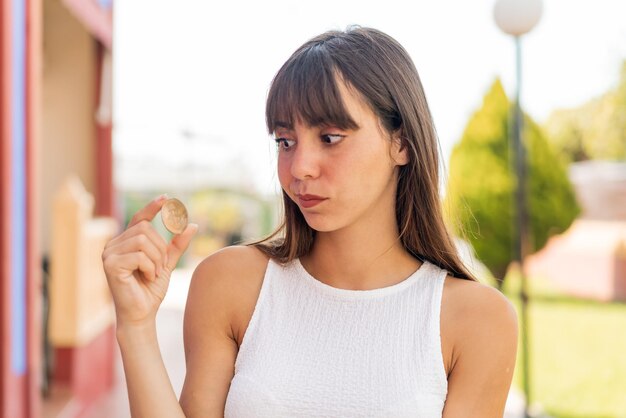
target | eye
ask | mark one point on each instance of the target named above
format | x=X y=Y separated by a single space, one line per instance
x=284 y=143
x=331 y=139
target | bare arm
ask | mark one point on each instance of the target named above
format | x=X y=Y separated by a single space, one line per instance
x=137 y=264
x=225 y=286
x=150 y=391
x=484 y=325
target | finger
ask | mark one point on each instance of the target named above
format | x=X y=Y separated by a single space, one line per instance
x=142 y=228
x=179 y=244
x=137 y=261
x=139 y=243
x=145 y=228
x=148 y=212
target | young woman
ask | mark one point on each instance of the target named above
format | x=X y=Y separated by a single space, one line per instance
x=359 y=304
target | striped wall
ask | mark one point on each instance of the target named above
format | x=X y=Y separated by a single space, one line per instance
x=20 y=273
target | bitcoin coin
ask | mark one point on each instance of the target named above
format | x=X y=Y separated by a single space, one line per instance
x=174 y=216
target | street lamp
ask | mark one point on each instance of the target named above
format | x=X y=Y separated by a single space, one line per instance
x=516 y=18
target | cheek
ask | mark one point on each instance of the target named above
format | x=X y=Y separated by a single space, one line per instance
x=284 y=175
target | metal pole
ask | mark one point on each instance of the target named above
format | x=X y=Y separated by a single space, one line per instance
x=522 y=242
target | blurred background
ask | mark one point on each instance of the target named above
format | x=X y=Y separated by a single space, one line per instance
x=105 y=105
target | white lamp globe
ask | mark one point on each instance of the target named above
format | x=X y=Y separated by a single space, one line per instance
x=517 y=17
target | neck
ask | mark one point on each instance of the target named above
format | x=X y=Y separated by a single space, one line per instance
x=365 y=256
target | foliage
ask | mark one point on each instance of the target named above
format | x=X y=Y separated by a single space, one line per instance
x=482 y=184
x=596 y=130
x=577 y=360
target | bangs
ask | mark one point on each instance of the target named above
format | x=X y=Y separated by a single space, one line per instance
x=306 y=90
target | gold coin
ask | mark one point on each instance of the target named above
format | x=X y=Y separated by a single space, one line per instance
x=174 y=216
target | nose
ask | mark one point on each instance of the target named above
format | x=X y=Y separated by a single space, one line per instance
x=305 y=160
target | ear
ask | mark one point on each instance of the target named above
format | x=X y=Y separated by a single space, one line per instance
x=399 y=153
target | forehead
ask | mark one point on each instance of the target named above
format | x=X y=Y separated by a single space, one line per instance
x=346 y=110
x=354 y=103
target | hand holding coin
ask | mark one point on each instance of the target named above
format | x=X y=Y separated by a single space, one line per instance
x=174 y=216
x=139 y=261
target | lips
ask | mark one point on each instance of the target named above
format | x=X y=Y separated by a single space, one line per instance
x=309 y=200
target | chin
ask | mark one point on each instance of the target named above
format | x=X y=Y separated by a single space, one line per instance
x=320 y=223
x=317 y=223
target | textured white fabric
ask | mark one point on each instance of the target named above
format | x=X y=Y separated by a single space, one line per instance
x=313 y=350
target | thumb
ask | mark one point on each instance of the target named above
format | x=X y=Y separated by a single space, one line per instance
x=179 y=244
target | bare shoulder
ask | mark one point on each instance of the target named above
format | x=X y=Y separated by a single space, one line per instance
x=223 y=292
x=473 y=303
x=479 y=340
x=232 y=263
x=470 y=309
x=231 y=280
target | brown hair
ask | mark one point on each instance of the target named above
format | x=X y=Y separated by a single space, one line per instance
x=381 y=71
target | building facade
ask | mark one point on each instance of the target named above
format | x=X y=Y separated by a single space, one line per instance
x=55 y=83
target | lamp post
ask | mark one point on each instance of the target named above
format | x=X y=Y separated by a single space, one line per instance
x=516 y=18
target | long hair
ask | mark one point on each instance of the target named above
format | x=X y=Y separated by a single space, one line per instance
x=377 y=66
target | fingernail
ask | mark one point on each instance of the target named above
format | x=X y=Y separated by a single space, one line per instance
x=195 y=226
x=162 y=197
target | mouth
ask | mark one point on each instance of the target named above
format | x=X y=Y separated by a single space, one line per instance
x=309 y=200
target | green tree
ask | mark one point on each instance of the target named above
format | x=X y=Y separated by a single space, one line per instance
x=596 y=130
x=481 y=185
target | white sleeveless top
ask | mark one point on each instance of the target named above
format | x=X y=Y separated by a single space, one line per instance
x=313 y=350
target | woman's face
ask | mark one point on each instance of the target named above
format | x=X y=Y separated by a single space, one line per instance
x=340 y=177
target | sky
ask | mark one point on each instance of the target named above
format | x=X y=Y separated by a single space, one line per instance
x=204 y=68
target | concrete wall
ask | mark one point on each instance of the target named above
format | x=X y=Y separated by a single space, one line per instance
x=588 y=260
x=68 y=108
x=600 y=189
